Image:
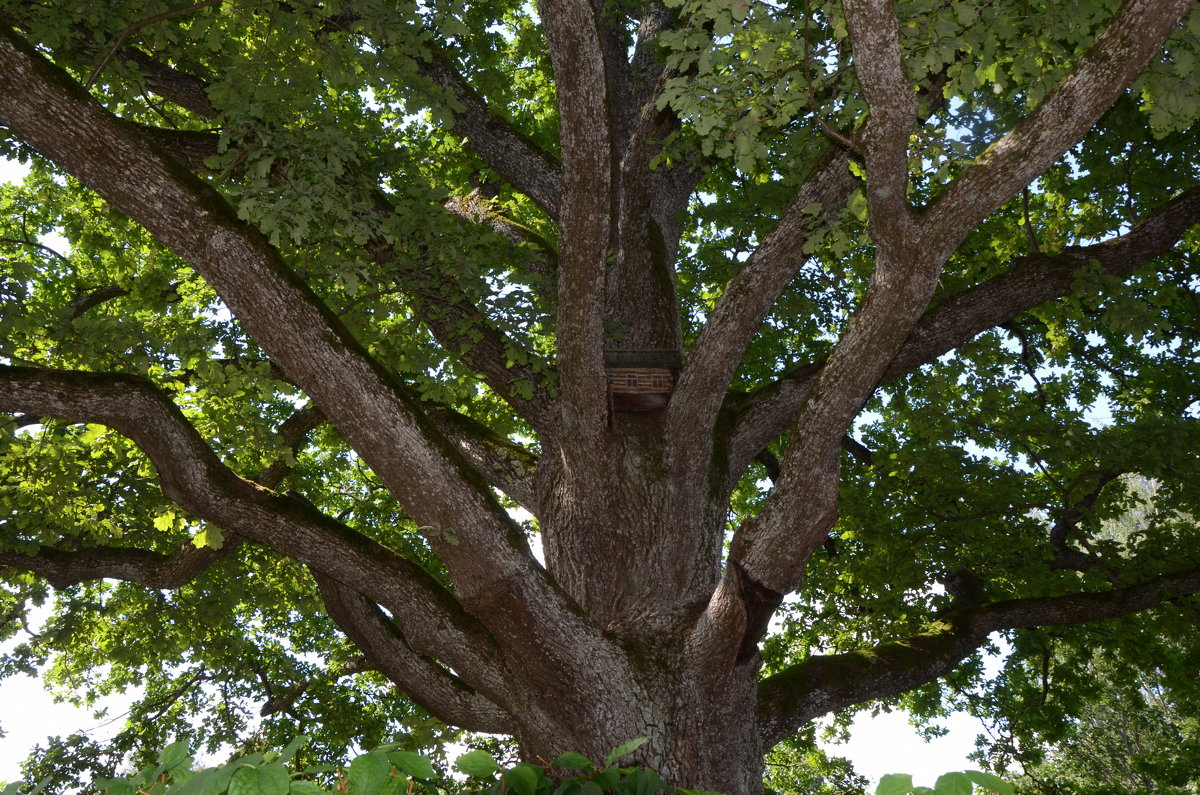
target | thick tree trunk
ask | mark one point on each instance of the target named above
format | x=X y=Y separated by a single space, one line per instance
x=645 y=570
x=700 y=724
x=639 y=625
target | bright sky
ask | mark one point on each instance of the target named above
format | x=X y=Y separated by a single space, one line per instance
x=879 y=745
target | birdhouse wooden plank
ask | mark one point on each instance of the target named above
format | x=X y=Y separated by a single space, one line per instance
x=640 y=380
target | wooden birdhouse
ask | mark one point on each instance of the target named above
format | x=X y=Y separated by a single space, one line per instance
x=640 y=380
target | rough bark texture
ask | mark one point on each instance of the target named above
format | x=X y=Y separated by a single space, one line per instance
x=637 y=625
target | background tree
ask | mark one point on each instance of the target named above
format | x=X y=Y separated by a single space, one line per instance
x=344 y=281
x=1129 y=726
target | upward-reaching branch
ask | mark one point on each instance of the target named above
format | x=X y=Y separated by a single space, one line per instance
x=55 y=116
x=485 y=551
x=1120 y=53
x=739 y=313
x=769 y=553
x=516 y=158
x=192 y=476
x=773 y=549
x=586 y=134
x=911 y=251
x=1027 y=282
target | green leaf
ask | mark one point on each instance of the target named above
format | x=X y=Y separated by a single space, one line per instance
x=574 y=761
x=412 y=764
x=211 y=537
x=368 y=773
x=625 y=749
x=607 y=778
x=208 y=781
x=270 y=779
x=478 y=763
x=292 y=747
x=953 y=784
x=174 y=756
x=895 y=784
x=991 y=782
x=113 y=786
x=522 y=779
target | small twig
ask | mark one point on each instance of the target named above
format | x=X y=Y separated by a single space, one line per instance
x=36 y=245
x=137 y=26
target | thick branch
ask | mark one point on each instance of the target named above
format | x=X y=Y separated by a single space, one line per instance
x=505 y=465
x=383 y=423
x=586 y=133
x=1120 y=53
x=463 y=330
x=193 y=477
x=743 y=305
x=476 y=207
x=773 y=549
x=186 y=90
x=1028 y=282
x=63 y=568
x=137 y=26
x=892 y=99
x=435 y=689
x=454 y=319
x=292 y=433
x=824 y=683
x=513 y=155
x=189 y=147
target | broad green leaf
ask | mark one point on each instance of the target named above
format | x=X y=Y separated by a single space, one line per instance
x=289 y=750
x=210 y=536
x=114 y=786
x=412 y=764
x=478 y=763
x=895 y=784
x=368 y=773
x=574 y=761
x=269 y=779
x=991 y=782
x=625 y=749
x=522 y=779
x=174 y=756
x=208 y=781
x=953 y=784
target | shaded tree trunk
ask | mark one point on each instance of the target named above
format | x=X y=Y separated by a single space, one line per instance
x=643 y=622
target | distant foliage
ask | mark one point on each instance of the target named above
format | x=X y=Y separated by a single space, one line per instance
x=387 y=770
x=965 y=782
x=390 y=770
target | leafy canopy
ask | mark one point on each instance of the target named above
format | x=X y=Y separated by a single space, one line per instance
x=985 y=474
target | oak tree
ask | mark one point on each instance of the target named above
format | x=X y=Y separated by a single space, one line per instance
x=807 y=343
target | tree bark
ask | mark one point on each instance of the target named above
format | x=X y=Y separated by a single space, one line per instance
x=640 y=623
